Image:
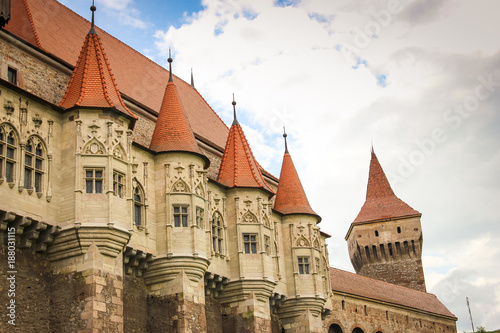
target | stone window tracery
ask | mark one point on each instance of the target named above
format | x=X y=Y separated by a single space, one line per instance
x=138 y=205
x=250 y=243
x=217 y=233
x=303 y=265
x=34 y=159
x=8 y=150
x=180 y=216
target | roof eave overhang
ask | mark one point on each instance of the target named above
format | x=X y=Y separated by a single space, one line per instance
x=112 y=109
x=308 y=214
x=205 y=159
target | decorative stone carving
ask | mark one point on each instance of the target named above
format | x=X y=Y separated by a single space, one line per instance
x=136 y=260
x=9 y=107
x=94 y=147
x=119 y=152
x=199 y=190
x=302 y=242
x=37 y=120
x=248 y=217
x=180 y=186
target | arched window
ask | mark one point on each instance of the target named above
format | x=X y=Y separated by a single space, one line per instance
x=217 y=232
x=8 y=150
x=34 y=160
x=358 y=330
x=138 y=205
x=334 y=328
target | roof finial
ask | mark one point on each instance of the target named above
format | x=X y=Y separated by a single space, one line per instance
x=372 y=148
x=170 y=65
x=92 y=30
x=235 y=121
x=192 y=79
x=285 y=135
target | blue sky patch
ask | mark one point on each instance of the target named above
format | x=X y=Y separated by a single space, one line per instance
x=286 y=3
x=381 y=80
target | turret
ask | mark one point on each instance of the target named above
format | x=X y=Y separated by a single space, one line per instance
x=304 y=250
x=385 y=239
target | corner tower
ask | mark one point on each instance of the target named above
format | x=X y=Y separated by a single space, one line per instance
x=385 y=239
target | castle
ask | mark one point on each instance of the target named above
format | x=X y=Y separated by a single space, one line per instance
x=127 y=205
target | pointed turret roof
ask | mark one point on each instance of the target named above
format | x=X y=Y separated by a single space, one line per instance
x=239 y=167
x=173 y=131
x=290 y=196
x=381 y=202
x=92 y=83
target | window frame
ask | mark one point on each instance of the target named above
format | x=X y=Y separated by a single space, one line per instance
x=200 y=212
x=250 y=242
x=217 y=232
x=8 y=161
x=303 y=264
x=138 y=205
x=118 y=184
x=12 y=75
x=181 y=217
x=94 y=179
x=34 y=169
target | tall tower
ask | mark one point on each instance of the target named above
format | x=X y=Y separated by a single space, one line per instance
x=385 y=239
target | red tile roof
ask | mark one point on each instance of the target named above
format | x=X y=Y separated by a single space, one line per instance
x=381 y=202
x=354 y=284
x=291 y=197
x=172 y=131
x=239 y=167
x=60 y=32
x=92 y=83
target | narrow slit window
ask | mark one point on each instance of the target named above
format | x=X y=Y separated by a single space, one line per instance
x=33 y=165
x=118 y=184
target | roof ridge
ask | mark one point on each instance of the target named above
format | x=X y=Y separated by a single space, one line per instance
x=37 y=38
x=248 y=154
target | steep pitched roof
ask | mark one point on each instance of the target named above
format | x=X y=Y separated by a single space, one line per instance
x=381 y=202
x=290 y=196
x=354 y=284
x=92 y=83
x=239 y=167
x=138 y=77
x=172 y=131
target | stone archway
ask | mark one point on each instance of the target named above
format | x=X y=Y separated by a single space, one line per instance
x=334 y=328
x=358 y=330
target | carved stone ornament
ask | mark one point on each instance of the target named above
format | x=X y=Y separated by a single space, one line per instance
x=37 y=120
x=94 y=148
x=249 y=218
x=180 y=186
x=119 y=153
x=9 y=107
x=199 y=190
x=302 y=242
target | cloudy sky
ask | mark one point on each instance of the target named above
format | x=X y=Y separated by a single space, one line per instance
x=419 y=79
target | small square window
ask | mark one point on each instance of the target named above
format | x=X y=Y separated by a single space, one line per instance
x=180 y=216
x=93 y=180
x=118 y=184
x=303 y=265
x=12 y=75
x=250 y=243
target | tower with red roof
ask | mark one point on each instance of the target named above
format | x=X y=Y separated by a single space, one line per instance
x=385 y=239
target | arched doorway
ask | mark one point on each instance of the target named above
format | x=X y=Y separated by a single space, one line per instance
x=358 y=330
x=334 y=328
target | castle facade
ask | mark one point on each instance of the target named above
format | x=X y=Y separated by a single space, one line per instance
x=127 y=205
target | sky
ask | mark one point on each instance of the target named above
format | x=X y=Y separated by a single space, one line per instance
x=419 y=80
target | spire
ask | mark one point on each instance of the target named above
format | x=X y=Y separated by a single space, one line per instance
x=192 y=79
x=92 y=83
x=239 y=167
x=92 y=30
x=381 y=202
x=170 y=66
x=284 y=136
x=173 y=131
x=290 y=196
x=235 y=120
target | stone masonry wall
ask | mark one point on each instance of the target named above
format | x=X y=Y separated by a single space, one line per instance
x=213 y=312
x=135 y=304
x=407 y=273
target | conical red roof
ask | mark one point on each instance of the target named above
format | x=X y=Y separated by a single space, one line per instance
x=92 y=83
x=172 y=131
x=239 y=167
x=381 y=202
x=290 y=196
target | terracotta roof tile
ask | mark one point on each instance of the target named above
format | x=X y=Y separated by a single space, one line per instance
x=22 y=20
x=291 y=197
x=381 y=202
x=354 y=284
x=92 y=83
x=239 y=167
x=172 y=131
x=60 y=32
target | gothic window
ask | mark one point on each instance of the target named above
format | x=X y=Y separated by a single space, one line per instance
x=250 y=243
x=216 y=229
x=33 y=164
x=199 y=217
x=12 y=75
x=180 y=216
x=303 y=265
x=93 y=180
x=8 y=149
x=138 y=205
x=118 y=184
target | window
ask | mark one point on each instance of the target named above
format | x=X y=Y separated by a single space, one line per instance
x=33 y=165
x=217 y=232
x=343 y=305
x=180 y=216
x=267 y=245
x=7 y=153
x=399 y=230
x=118 y=184
x=93 y=180
x=199 y=217
x=303 y=265
x=138 y=205
x=12 y=75
x=376 y=233
x=250 y=243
